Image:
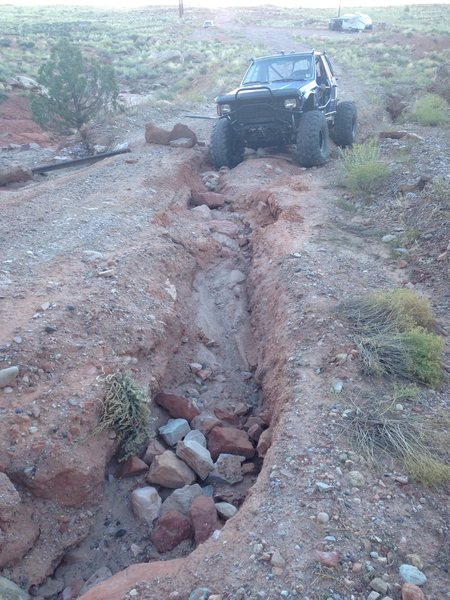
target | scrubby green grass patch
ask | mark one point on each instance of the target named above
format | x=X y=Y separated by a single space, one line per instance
x=431 y=109
x=365 y=173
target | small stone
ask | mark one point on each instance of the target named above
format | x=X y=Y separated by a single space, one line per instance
x=323 y=517
x=226 y=510
x=97 y=577
x=323 y=487
x=328 y=559
x=200 y=594
x=50 y=329
x=277 y=560
x=11 y=591
x=388 y=238
x=153 y=449
x=356 y=479
x=415 y=560
x=146 y=503
x=170 y=530
x=132 y=467
x=373 y=595
x=411 y=574
x=205 y=422
x=264 y=443
x=227 y=469
x=379 y=585
x=196 y=436
x=174 y=431
x=412 y=592
x=196 y=456
x=178 y=407
x=337 y=386
x=181 y=499
x=8 y=375
x=229 y=440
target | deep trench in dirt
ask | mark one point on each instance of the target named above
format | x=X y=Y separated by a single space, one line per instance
x=216 y=321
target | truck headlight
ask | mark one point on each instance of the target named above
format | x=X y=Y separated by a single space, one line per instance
x=290 y=103
x=223 y=109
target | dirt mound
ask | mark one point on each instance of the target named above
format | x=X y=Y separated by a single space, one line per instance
x=16 y=124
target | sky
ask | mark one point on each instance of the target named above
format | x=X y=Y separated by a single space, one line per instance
x=218 y=3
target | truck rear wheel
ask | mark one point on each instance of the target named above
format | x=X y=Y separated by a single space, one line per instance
x=345 y=124
x=226 y=149
x=312 y=139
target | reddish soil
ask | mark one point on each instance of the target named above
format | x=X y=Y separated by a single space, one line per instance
x=16 y=125
x=109 y=268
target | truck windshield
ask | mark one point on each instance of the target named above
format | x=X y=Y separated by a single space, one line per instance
x=280 y=68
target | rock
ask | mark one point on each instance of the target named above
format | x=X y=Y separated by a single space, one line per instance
x=227 y=469
x=204 y=518
x=264 y=442
x=8 y=376
x=14 y=174
x=182 y=143
x=196 y=436
x=51 y=588
x=72 y=591
x=203 y=211
x=75 y=555
x=225 y=227
x=241 y=408
x=229 y=440
x=277 y=560
x=100 y=575
x=386 y=239
x=181 y=499
x=169 y=471
x=170 y=530
x=328 y=559
x=411 y=574
x=132 y=467
x=156 y=135
x=196 y=456
x=373 y=595
x=412 y=592
x=211 y=199
x=323 y=517
x=227 y=416
x=413 y=559
x=200 y=594
x=178 y=407
x=356 y=479
x=146 y=504
x=226 y=510
x=205 y=422
x=11 y=591
x=254 y=432
x=181 y=131
x=153 y=449
x=174 y=430
x=9 y=498
x=379 y=585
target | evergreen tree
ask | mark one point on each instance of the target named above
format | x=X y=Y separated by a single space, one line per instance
x=75 y=89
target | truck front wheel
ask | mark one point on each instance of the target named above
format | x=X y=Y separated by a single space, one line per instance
x=312 y=139
x=343 y=133
x=226 y=149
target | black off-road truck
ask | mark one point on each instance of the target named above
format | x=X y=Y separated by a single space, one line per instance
x=283 y=100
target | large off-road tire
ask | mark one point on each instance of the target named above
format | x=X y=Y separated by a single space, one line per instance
x=312 y=139
x=345 y=128
x=226 y=150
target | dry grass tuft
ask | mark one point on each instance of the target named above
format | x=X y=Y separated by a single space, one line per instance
x=376 y=427
x=125 y=408
x=394 y=335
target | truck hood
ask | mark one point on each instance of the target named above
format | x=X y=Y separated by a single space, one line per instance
x=280 y=89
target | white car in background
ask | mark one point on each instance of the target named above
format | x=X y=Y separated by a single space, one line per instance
x=351 y=22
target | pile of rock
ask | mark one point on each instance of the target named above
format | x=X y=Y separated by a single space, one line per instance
x=181 y=136
x=200 y=457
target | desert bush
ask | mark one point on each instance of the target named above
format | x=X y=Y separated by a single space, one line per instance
x=376 y=427
x=125 y=408
x=431 y=109
x=441 y=189
x=364 y=171
x=393 y=335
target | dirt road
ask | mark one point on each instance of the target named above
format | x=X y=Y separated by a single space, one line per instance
x=111 y=268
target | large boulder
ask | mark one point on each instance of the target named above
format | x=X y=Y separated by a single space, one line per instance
x=170 y=530
x=146 y=503
x=229 y=440
x=156 y=135
x=203 y=515
x=181 y=499
x=181 y=131
x=196 y=456
x=178 y=407
x=14 y=174
x=169 y=471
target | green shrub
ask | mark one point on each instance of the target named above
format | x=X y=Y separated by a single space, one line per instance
x=423 y=356
x=125 y=408
x=431 y=109
x=364 y=171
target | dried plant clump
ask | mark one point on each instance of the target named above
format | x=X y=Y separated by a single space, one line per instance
x=125 y=408
x=394 y=336
x=376 y=427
